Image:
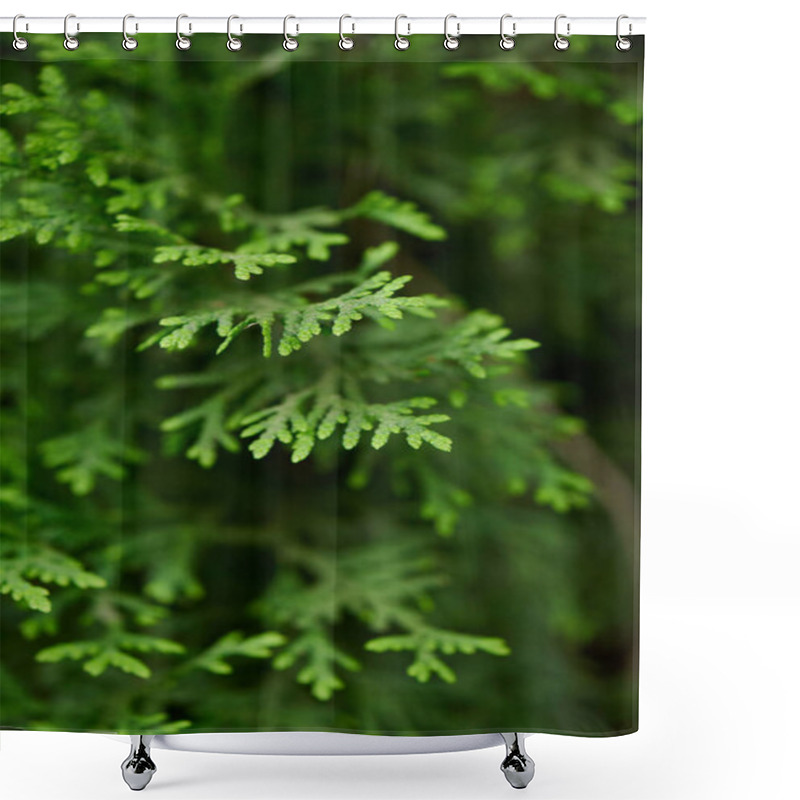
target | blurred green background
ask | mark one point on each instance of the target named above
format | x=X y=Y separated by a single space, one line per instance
x=193 y=246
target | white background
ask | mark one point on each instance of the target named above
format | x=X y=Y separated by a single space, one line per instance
x=720 y=544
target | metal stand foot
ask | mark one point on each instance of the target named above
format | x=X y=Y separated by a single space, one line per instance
x=138 y=768
x=517 y=766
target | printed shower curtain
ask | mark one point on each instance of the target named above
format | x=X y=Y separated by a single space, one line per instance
x=320 y=386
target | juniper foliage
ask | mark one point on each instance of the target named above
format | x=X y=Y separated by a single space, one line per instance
x=245 y=347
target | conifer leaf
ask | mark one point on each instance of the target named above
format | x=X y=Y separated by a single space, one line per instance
x=11 y=228
x=304 y=228
x=116 y=658
x=399 y=417
x=426 y=642
x=213 y=433
x=245 y=264
x=142 y=612
x=233 y=644
x=381 y=583
x=477 y=343
x=442 y=501
x=99 y=654
x=46 y=564
x=563 y=489
x=115 y=322
x=12 y=582
x=377 y=256
x=386 y=582
x=373 y=297
x=173 y=575
x=69 y=650
x=145 y=643
x=16 y=100
x=97 y=171
x=290 y=423
x=80 y=458
x=51 y=566
x=478 y=336
x=266 y=334
x=399 y=214
x=229 y=323
x=8 y=150
x=320 y=658
x=125 y=223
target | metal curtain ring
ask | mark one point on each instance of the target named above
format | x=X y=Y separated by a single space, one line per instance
x=290 y=43
x=623 y=43
x=451 y=42
x=560 y=42
x=400 y=42
x=345 y=42
x=507 y=42
x=19 y=43
x=233 y=44
x=182 y=42
x=70 y=42
x=128 y=43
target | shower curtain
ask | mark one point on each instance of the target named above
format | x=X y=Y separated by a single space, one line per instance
x=320 y=385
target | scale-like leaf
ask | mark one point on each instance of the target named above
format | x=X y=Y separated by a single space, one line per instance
x=233 y=644
x=426 y=642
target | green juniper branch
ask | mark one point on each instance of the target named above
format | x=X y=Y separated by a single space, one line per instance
x=291 y=327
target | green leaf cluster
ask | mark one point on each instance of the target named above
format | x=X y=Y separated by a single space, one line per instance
x=268 y=437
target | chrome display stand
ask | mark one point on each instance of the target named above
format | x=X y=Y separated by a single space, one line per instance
x=138 y=767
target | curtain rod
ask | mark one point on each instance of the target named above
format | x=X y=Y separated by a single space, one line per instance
x=402 y=25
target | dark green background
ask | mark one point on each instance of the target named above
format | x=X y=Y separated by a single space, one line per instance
x=531 y=162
